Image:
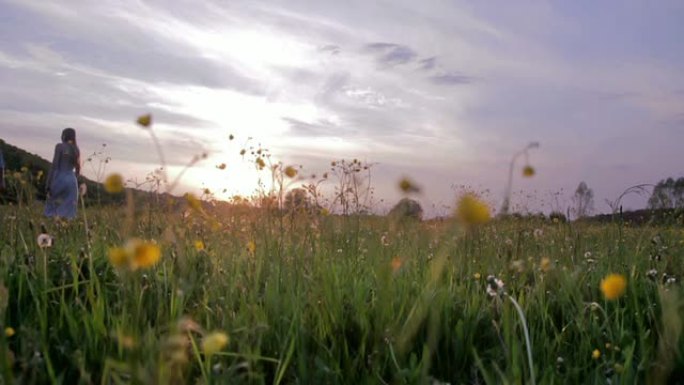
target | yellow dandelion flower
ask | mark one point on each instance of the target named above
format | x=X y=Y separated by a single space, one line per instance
x=199 y=245
x=143 y=254
x=114 y=183
x=477 y=276
x=290 y=172
x=471 y=210
x=396 y=264
x=193 y=201
x=596 y=354
x=251 y=247
x=145 y=120
x=9 y=332
x=545 y=264
x=613 y=286
x=214 y=342
x=117 y=256
x=407 y=186
x=528 y=171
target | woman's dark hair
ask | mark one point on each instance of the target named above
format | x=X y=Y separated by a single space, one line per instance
x=69 y=135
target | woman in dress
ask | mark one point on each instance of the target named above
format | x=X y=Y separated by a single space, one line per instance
x=62 y=180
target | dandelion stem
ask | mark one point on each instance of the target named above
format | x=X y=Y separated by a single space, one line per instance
x=528 y=343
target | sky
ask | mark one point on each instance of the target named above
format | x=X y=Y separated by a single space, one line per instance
x=442 y=92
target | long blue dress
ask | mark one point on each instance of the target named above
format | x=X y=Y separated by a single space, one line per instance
x=62 y=183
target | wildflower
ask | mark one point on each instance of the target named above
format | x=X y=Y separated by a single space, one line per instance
x=545 y=264
x=221 y=166
x=325 y=212
x=136 y=254
x=260 y=163
x=596 y=354
x=528 y=171
x=613 y=286
x=113 y=184
x=396 y=264
x=9 y=332
x=199 y=245
x=290 y=172
x=471 y=210
x=117 y=256
x=384 y=240
x=145 y=254
x=407 y=186
x=145 y=120
x=538 y=233
x=477 y=276
x=494 y=286
x=193 y=201
x=669 y=279
x=214 y=343
x=45 y=241
x=251 y=247
x=652 y=274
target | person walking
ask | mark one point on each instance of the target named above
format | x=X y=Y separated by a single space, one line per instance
x=62 y=179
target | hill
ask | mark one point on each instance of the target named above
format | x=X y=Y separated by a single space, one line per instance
x=25 y=175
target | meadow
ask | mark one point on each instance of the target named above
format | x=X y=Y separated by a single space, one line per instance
x=298 y=289
x=266 y=296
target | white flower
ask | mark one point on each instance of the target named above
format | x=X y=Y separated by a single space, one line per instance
x=538 y=233
x=45 y=241
x=384 y=240
x=494 y=286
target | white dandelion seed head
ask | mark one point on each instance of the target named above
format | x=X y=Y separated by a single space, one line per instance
x=45 y=241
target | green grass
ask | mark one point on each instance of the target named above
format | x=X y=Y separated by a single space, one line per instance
x=321 y=301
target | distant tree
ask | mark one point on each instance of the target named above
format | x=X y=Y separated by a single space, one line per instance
x=407 y=208
x=583 y=201
x=557 y=216
x=667 y=194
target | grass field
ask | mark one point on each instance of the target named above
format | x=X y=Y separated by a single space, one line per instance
x=261 y=296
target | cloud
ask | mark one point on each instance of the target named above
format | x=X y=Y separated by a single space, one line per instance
x=451 y=79
x=428 y=64
x=331 y=49
x=320 y=128
x=390 y=54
